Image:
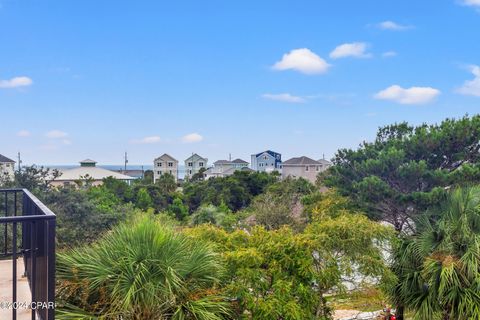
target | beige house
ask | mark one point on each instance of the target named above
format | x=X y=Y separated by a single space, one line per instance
x=304 y=167
x=163 y=165
x=193 y=164
x=7 y=169
x=87 y=172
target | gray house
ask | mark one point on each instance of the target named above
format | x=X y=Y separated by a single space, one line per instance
x=193 y=164
x=7 y=169
x=267 y=161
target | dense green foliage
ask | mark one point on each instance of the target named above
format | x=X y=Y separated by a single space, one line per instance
x=253 y=246
x=282 y=274
x=236 y=191
x=82 y=216
x=406 y=168
x=438 y=269
x=142 y=270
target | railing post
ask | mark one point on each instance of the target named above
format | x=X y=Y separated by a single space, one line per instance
x=51 y=269
x=14 y=280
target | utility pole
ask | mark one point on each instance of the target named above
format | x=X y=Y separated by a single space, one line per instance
x=126 y=161
x=19 y=163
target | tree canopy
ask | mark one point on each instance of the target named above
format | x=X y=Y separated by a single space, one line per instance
x=407 y=168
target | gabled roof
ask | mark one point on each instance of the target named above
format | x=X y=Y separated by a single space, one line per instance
x=5 y=159
x=300 y=161
x=166 y=156
x=195 y=157
x=240 y=161
x=270 y=152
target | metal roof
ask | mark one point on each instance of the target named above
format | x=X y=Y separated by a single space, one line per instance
x=95 y=173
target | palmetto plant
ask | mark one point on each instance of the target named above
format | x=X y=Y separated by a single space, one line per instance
x=141 y=270
x=439 y=269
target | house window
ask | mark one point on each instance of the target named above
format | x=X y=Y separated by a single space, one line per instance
x=159 y=164
x=190 y=164
x=306 y=168
x=200 y=164
x=318 y=168
x=170 y=171
x=159 y=173
x=265 y=157
x=190 y=171
x=170 y=164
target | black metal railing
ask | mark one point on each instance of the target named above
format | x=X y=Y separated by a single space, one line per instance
x=28 y=228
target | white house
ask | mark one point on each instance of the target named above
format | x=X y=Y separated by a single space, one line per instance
x=163 y=165
x=193 y=164
x=223 y=168
x=88 y=171
x=7 y=169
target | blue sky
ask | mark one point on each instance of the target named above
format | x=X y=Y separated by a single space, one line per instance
x=93 y=79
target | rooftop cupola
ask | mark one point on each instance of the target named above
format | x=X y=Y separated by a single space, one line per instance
x=88 y=163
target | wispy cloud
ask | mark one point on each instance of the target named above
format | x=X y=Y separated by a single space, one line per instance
x=471 y=87
x=15 y=83
x=471 y=3
x=389 y=54
x=56 y=134
x=284 y=97
x=147 y=140
x=191 y=138
x=412 y=95
x=302 y=60
x=390 y=25
x=354 y=49
x=23 y=133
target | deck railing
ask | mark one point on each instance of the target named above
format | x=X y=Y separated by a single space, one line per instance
x=28 y=228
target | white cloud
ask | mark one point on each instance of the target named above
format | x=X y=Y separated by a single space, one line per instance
x=354 y=49
x=284 y=97
x=56 y=134
x=389 y=54
x=471 y=3
x=147 y=140
x=390 y=25
x=413 y=95
x=66 y=142
x=471 y=87
x=302 y=60
x=23 y=133
x=15 y=82
x=192 y=137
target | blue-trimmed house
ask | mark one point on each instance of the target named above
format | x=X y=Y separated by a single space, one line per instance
x=266 y=161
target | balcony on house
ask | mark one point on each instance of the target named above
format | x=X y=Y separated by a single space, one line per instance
x=27 y=257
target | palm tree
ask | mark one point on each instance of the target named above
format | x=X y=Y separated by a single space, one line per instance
x=141 y=270
x=439 y=269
